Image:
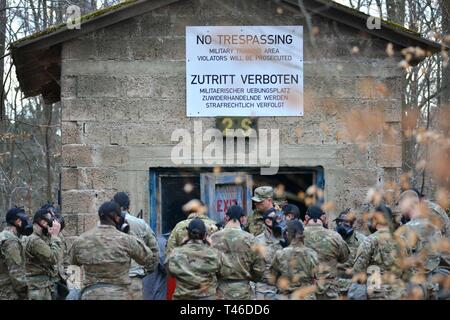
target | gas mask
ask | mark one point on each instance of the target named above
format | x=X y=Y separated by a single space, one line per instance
x=404 y=220
x=26 y=228
x=278 y=228
x=122 y=225
x=371 y=228
x=285 y=241
x=49 y=225
x=344 y=230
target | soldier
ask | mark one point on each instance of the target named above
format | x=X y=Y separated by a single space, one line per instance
x=13 y=283
x=437 y=215
x=279 y=198
x=195 y=265
x=345 y=227
x=194 y=209
x=263 y=198
x=293 y=269
x=378 y=258
x=60 y=276
x=422 y=242
x=105 y=253
x=43 y=250
x=269 y=241
x=241 y=261
x=331 y=250
x=142 y=231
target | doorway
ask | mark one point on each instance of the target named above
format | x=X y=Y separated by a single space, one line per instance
x=170 y=188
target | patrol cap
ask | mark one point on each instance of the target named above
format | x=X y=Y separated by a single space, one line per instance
x=235 y=212
x=262 y=193
x=197 y=226
x=13 y=214
x=315 y=212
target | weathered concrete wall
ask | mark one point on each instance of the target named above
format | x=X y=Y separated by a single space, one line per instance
x=123 y=93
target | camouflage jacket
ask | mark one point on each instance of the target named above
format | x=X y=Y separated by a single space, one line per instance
x=196 y=266
x=268 y=245
x=105 y=254
x=241 y=261
x=42 y=255
x=353 y=242
x=142 y=230
x=13 y=283
x=63 y=261
x=379 y=249
x=255 y=225
x=330 y=247
x=294 y=267
x=179 y=232
x=439 y=218
x=422 y=242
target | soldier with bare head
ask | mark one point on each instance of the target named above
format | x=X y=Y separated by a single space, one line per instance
x=105 y=253
x=195 y=265
x=242 y=261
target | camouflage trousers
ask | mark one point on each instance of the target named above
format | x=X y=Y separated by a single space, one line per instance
x=264 y=291
x=234 y=290
x=44 y=293
x=327 y=289
x=8 y=294
x=102 y=291
x=137 y=288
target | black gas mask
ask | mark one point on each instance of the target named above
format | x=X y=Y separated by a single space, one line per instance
x=285 y=241
x=344 y=229
x=26 y=227
x=371 y=228
x=122 y=225
x=404 y=220
x=49 y=225
x=277 y=227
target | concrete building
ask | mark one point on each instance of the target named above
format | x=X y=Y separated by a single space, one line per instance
x=121 y=83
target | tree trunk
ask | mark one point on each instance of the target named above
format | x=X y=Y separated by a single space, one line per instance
x=3 y=21
x=395 y=10
x=445 y=97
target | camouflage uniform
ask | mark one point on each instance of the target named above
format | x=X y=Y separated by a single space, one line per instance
x=420 y=238
x=296 y=264
x=13 y=283
x=345 y=279
x=380 y=252
x=269 y=246
x=255 y=224
x=331 y=250
x=42 y=254
x=196 y=266
x=439 y=218
x=179 y=232
x=142 y=231
x=105 y=254
x=60 y=270
x=241 y=263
